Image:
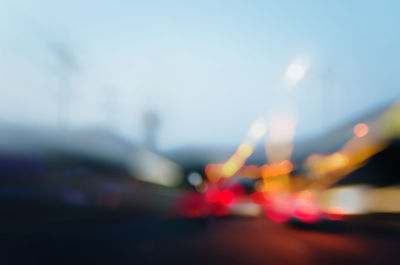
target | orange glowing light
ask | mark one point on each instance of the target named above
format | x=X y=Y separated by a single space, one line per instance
x=265 y=171
x=251 y=171
x=276 y=169
x=213 y=172
x=338 y=160
x=286 y=166
x=305 y=195
x=360 y=130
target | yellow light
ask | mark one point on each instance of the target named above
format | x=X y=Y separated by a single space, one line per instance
x=230 y=168
x=245 y=150
x=338 y=160
x=313 y=159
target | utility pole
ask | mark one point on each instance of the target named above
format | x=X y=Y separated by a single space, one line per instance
x=151 y=125
x=110 y=106
x=67 y=66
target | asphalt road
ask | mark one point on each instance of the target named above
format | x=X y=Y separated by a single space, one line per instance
x=153 y=240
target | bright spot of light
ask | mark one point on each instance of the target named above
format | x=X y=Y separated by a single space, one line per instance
x=194 y=178
x=226 y=197
x=350 y=199
x=279 y=146
x=338 y=160
x=295 y=72
x=360 y=130
x=230 y=168
x=258 y=129
x=245 y=150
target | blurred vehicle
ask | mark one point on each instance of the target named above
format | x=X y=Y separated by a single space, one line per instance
x=43 y=172
x=231 y=196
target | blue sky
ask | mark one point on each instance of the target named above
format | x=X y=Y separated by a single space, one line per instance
x=209 y=68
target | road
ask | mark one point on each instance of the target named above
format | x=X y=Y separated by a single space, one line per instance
x=154 y=240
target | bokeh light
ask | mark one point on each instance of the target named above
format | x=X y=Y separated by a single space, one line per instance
x=295 y=72
x=258 y=129
x=360 y=130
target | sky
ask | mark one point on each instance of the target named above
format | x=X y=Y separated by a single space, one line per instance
x=209 y=69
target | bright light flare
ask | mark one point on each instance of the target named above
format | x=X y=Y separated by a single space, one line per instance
x=279 y=146
x=215 y=172
x=258 y=129
x=295 y=72
x=348 y=200
x=226 y=197
x=276 y=169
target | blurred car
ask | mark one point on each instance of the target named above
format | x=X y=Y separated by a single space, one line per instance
x=230 y=196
